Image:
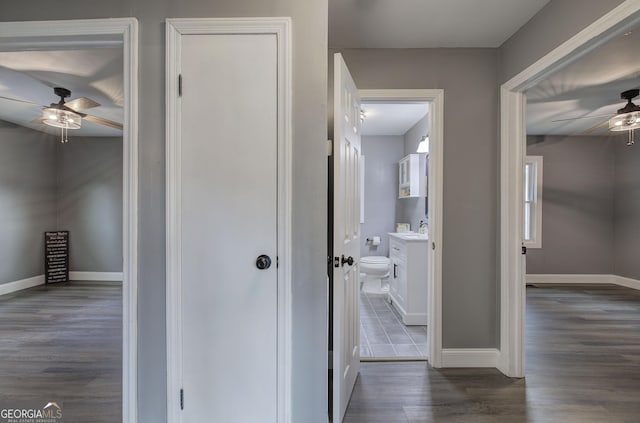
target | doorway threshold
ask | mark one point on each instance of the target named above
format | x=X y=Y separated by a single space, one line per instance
x=387 y=359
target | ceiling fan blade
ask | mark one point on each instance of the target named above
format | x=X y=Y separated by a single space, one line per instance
x=595 y=128
x=582 y=117
x=82 y=103
x=21 y=101
x=105 y=122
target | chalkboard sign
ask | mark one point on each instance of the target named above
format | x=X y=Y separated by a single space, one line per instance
x=56 y=256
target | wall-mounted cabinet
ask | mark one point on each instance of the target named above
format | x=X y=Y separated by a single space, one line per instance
x=411 y=180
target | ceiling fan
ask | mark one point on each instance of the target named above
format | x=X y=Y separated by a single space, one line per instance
x=626 y=118
x=68 y=114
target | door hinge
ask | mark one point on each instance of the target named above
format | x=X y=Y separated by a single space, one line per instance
x=277 y=262
x=180 y=85
x=181 y=399
x=329 y=148
x=524 y=250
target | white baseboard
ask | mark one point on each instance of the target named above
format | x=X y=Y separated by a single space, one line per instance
x=95 y=276
x=470 y=357
x=583 y=279
x=7 y=288
x=628 y=282
x=411 y=319
x=569 y=279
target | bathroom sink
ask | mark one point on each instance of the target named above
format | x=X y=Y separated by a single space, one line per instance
x=414 y=236
x=411 y=235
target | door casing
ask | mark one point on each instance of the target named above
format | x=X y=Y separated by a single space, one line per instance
x=512 y=151
x=436 y=138
x=176 y=28
x=96 y=33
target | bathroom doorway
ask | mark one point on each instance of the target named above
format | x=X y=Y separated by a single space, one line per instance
x=394 y=222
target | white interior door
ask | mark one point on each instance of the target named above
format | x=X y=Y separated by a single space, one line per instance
x=228 y=218
x=346 y=237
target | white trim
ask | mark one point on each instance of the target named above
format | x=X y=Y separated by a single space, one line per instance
x=419 y=319
x=626 y=282
x=9 y=287
x=571 y=279
x=414 y=318
x=95 y=276
x=175 y=28
x=435 y=181
x=95 y=32
x=512 y=147
x=470 y=357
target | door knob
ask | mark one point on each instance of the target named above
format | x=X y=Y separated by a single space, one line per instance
x=263 y=262
x=348 y=260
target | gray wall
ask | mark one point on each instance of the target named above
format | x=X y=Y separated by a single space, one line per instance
x=309 y=209
x=591 y=206
x=27 y=200
x=412 y=210
x=46 y=185
x=90 y=201
x=382 y=154
x=577 y=205
x=558 y=21
x=470 y=221
x=470 y=287
x=626 y=249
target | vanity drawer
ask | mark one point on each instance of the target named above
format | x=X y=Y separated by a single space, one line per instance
x=397 y=248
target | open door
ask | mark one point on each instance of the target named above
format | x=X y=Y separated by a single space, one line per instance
x=346 y=237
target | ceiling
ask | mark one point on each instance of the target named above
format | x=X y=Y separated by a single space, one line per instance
x=588 y=89
x=427 y=23
x=96 y=73
x=391 y=118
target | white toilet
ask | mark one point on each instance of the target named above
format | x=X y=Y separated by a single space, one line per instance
x=374 y=274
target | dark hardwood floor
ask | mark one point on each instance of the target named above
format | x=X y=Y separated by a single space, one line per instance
x=583 y=366
x=63 y=343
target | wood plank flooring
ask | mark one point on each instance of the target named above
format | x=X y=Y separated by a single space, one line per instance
x=583 y=366
x=63 y=342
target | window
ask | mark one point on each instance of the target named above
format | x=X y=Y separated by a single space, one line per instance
x=533 y=201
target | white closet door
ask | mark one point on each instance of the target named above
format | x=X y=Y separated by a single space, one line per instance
x=228 y=208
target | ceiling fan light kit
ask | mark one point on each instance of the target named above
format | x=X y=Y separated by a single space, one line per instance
x=67 y=115
x=61 y=118
x=628 y=118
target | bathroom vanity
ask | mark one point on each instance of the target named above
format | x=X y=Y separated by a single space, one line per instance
x=408 y=279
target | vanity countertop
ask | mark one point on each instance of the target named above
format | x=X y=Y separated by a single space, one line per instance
x=410 y=236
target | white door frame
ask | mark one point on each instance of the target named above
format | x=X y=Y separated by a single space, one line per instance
x=436 y=137
x=512 y=152
x=175 y=29
x=90 y=33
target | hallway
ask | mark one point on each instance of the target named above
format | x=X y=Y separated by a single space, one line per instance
x=583 y=365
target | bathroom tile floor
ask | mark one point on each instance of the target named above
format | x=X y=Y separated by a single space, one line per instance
x=382 y=333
